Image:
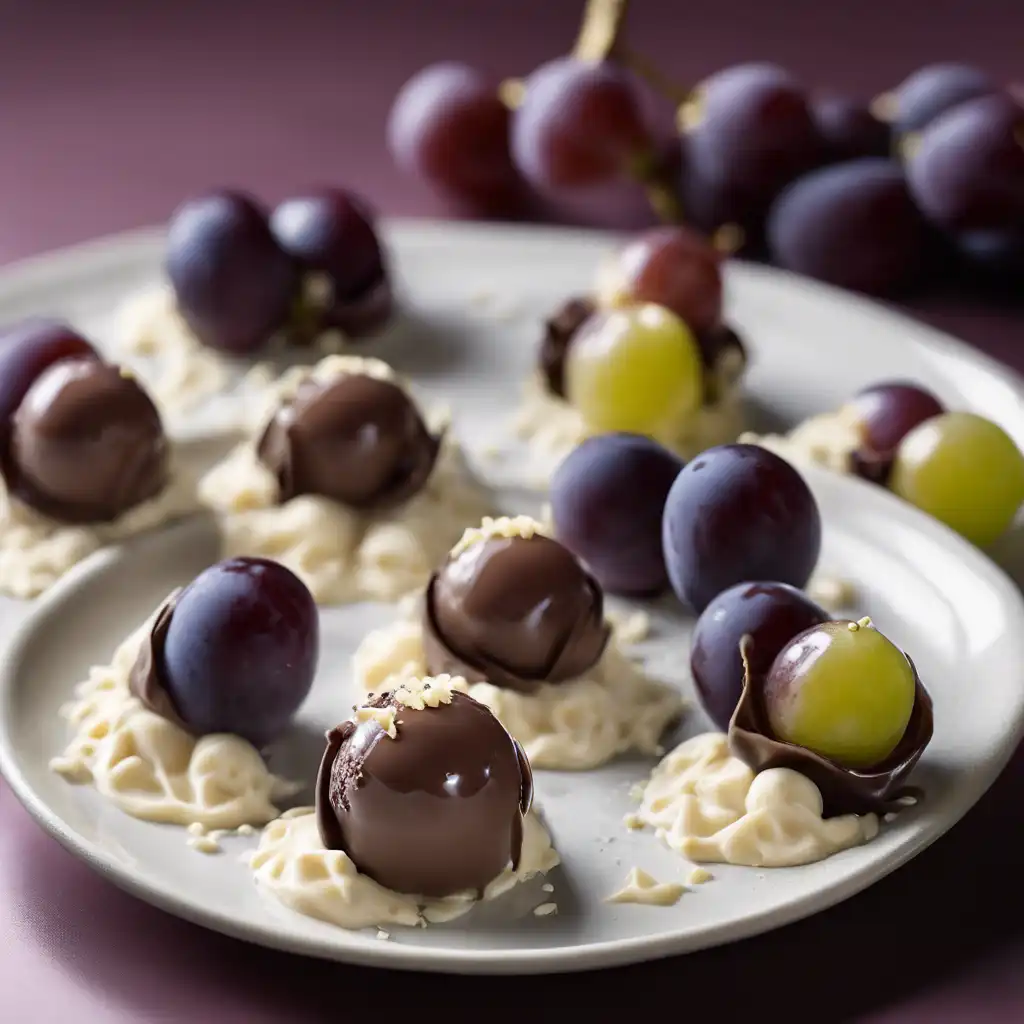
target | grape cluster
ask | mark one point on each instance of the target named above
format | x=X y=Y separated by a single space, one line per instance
x=874 y=196
x=242 y=275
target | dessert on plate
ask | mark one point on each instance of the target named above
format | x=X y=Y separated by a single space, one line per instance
x=423 y=808
x=84 y=459
x=518 y=623
x=346 y=482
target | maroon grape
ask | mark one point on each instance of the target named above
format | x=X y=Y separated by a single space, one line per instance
x=849 y=129
x=234 y=284
x=738 y=512
x=607 y=500
x=967 y=169
x=752 y=134
x=932 y=90
x=995 y=257
x=241 y=649
x=26 y=350
x=887 y=412
x=853 y=225
x=580 y=124
x=677 y=268
x=768 y=615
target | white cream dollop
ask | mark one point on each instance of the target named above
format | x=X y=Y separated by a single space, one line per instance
x=343 y=555
x=709 y=806
x=827 y=440
x=292 y=865
x=152 y=769
x=577 y=724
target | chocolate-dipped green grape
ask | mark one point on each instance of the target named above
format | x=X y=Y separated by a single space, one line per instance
x=843 y=690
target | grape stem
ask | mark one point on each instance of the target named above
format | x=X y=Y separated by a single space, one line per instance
x=600 y=29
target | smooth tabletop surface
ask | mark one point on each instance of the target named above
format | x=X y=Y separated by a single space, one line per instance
x=113 y=112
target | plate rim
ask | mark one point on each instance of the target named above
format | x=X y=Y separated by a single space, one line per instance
x=545 y=960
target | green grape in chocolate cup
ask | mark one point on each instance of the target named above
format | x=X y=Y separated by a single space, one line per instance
x=965 y=471
x=634 y=370
x=842 y=690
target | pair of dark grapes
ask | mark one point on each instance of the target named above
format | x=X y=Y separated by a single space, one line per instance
x=241 y=275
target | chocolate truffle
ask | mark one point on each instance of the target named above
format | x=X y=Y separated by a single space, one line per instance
x=559 y=331
x=514 y=611
x=86 y=444
x=356 y=439
x=427 y=797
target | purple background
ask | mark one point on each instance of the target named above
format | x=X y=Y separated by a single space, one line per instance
x=110 y=113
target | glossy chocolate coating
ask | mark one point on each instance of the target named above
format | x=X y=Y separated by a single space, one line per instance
x=516 y=612
x=878 y=789
x=145 y=679
x=357 y=440
x=86 y=444
x=435 y=811
x=559 y=330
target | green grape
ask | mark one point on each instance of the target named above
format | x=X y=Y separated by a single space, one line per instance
x=636 y=370
x=963 y=470
x=843 y=690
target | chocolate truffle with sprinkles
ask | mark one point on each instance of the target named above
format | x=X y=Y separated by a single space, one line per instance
x=425 y=791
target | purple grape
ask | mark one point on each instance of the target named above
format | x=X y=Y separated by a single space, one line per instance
x=753 y=133
x=932 y=90
x=738 y=512
x=770 y=614
x=234 y=284
x=886 y=413
x=449 y=127
x=967 y=169
x=849 y=129
x=996 y=257
x=26 y=350
x=607 y=500
x=332 y=232
x=853 y=225
x=241 y=649
x=580 y=124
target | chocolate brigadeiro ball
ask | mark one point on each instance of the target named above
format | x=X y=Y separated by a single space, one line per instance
x=428 y=797
x=356 y=439
x=513 y=611
x=86 y=444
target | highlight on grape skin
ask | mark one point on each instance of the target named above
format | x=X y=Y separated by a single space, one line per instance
x=580 y=124
x=637 y=369
x=738 y=512
x=963 y=470
x=607 y=500
x=842 y=690
x=932 y=90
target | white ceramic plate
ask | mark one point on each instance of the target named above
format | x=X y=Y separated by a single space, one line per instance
x=960 y=616
x=476 y=296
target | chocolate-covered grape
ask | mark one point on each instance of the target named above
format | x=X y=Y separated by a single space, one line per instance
x=234 y=285
x=559 y=331
x=357 y=439
x=86 y=443
x=436 y=808
x=233 y=652
x=841 y=690
x=516 y=611
x=738 y=512
x=607 y=500
x=764 y=618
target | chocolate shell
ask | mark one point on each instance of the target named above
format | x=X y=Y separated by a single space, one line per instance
x=537 y=602
x=144 y=680
x=559 y=330
x=877 y=790
x=357 y=440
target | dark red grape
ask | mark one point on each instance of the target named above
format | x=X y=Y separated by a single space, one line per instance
x=738 y=512
x=769 y=614
x=966 y=171
x=449 y=127
x=849 y=129
x=28 y=348
x=673 y=267
x=607 y=499
x=853 y=225
x=332 y=233
x=932 y=90
x=580 y=124
x=750 y=134
x=234 y=284
x=995 y=257
x=241 y=649
x=886 y=413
